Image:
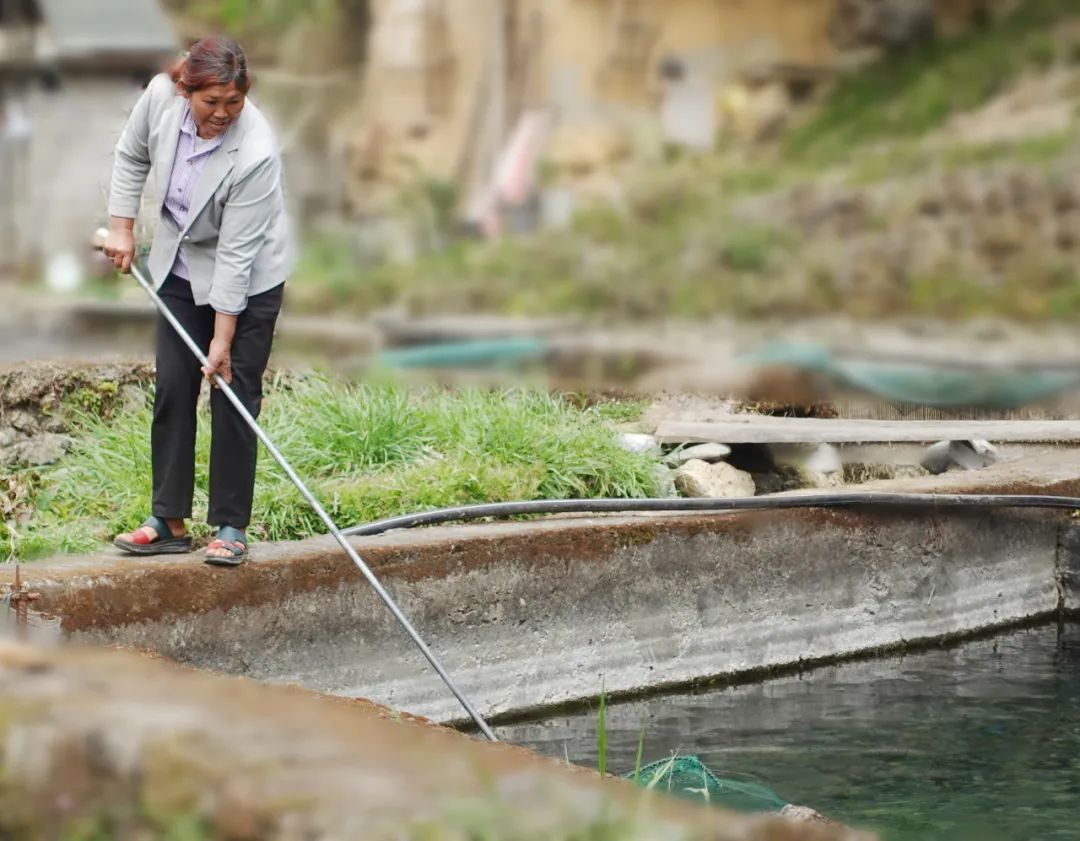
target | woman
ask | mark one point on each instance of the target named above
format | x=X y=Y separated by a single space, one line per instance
x=219 y=258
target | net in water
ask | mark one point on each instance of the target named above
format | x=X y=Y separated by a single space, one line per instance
x=688 y=777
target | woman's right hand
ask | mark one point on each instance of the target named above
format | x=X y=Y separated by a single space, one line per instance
x=120 y=245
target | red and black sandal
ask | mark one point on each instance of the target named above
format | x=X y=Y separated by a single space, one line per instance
x=164 y=544
x=235 y=541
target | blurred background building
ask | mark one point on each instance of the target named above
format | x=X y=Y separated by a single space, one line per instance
x=69 y=73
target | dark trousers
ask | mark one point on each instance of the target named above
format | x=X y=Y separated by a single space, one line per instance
x=233 y=445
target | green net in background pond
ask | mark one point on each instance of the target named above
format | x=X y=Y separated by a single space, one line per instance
x=687 y=776
x=941 y=382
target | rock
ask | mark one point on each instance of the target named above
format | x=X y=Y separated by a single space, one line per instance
x=42 y=450
x=698 y=478
x=132 y=397
x=23 y=421
x=823 y=481
x=666 y=480
x=50 y=404
x=937 y=458
x=967 y=455
x=7 y=436
x=781 y=478
x=702 y=452
x=637 y=442
x=804 y=814
x=973 y=455
x=54 y=423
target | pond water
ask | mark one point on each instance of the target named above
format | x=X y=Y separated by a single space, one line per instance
x=978 y=741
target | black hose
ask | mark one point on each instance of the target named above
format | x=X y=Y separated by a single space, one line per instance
x=502 y=510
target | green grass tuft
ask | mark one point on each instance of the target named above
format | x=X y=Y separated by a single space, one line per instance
x=367 y=451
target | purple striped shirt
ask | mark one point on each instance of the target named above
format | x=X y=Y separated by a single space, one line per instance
x=192 y=153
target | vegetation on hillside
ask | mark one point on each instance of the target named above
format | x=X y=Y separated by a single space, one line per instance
x=701 y=235
x=910 y=94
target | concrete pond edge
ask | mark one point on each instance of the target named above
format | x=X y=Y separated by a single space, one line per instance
x=536 y=616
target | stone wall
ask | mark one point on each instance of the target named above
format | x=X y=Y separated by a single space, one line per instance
x=33 y=419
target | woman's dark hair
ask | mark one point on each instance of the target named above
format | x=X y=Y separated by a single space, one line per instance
x=213 y=61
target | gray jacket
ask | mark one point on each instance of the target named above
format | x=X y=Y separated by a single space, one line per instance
x=236 y=240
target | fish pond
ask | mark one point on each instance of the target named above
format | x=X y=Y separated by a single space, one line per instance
x=975 y=741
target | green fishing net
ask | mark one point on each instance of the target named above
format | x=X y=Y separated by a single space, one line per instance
x=926 y=383
x=688 y=777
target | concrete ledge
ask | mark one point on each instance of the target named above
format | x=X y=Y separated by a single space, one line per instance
x=532 y=615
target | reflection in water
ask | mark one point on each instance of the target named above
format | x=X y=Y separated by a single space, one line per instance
x=980 y=742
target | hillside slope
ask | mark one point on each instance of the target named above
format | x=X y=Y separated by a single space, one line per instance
x=940 y=182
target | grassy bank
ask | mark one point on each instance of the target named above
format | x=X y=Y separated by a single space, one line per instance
x=368 y=451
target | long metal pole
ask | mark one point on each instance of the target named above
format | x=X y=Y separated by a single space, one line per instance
x=314 y=503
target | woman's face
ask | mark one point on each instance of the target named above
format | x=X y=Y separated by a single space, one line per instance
x=215 y=108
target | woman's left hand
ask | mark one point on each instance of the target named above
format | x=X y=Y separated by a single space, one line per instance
x=220 y=358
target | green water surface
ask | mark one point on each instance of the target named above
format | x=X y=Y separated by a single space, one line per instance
x=979 y=741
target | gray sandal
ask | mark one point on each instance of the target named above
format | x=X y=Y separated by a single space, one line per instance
x=233 y=540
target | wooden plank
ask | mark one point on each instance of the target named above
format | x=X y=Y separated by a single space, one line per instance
x=758 y=429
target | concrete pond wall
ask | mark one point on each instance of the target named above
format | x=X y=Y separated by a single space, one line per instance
x=531 y=616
